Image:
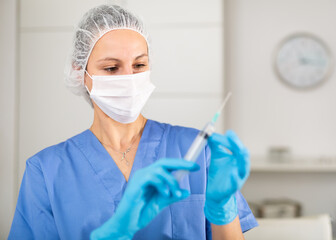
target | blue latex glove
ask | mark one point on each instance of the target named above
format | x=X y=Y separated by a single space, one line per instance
x=228 y=171
x=149 y=191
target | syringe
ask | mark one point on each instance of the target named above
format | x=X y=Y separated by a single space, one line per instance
x=201 y=139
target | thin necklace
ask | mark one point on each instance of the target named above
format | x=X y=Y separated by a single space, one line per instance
x=124 y=158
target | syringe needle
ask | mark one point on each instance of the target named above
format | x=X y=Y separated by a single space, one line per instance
x=214 y=119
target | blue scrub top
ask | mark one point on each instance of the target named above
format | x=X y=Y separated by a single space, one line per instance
x=72 y=188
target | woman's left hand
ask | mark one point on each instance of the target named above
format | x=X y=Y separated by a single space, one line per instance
x=228 y=171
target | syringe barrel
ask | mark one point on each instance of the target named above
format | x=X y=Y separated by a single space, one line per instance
x=196 y=147
x=199 y=142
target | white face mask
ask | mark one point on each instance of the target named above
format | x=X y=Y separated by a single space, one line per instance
x=121 y=97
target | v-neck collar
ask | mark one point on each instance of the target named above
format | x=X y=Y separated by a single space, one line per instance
x=104 y=166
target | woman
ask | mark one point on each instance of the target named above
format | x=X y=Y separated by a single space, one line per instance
x=79 y=188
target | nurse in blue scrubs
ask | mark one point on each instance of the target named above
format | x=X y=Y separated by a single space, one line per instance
x=116 y=179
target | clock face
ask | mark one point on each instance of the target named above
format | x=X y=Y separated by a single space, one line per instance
x=303 y=61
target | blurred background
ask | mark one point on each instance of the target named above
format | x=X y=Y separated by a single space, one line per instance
x=201 y=50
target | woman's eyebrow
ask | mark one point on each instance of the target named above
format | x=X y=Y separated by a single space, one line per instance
x=108 y=59
x=142 y=55
x=118 y=60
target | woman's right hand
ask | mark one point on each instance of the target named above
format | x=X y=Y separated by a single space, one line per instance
x=149 y=191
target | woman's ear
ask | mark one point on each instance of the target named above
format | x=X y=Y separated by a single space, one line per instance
x=75 y=66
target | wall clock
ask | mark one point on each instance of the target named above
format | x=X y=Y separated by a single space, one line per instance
x=303 y=61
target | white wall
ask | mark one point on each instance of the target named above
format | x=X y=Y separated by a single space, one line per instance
x=266 y=113
x=8 y=109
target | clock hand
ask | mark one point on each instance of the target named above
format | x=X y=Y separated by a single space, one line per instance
x=312 y=61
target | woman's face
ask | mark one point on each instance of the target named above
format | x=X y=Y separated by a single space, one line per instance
x=118 y=52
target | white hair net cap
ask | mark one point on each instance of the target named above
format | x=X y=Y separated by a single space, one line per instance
x=95 y=24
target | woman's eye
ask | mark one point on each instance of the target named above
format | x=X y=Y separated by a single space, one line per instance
x=140 y=65
x=111 y=69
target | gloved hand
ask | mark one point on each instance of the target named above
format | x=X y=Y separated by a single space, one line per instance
x=228 y=171
x=149 y=191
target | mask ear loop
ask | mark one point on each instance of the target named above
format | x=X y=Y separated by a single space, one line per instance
x=85 y=84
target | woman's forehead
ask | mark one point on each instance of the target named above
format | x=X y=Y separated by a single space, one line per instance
x=122 y=42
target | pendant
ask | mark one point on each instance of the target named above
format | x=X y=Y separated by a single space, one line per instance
x=124 y=156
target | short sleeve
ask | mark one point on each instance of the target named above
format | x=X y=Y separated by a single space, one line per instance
x=246 y=217
x=33 y=217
